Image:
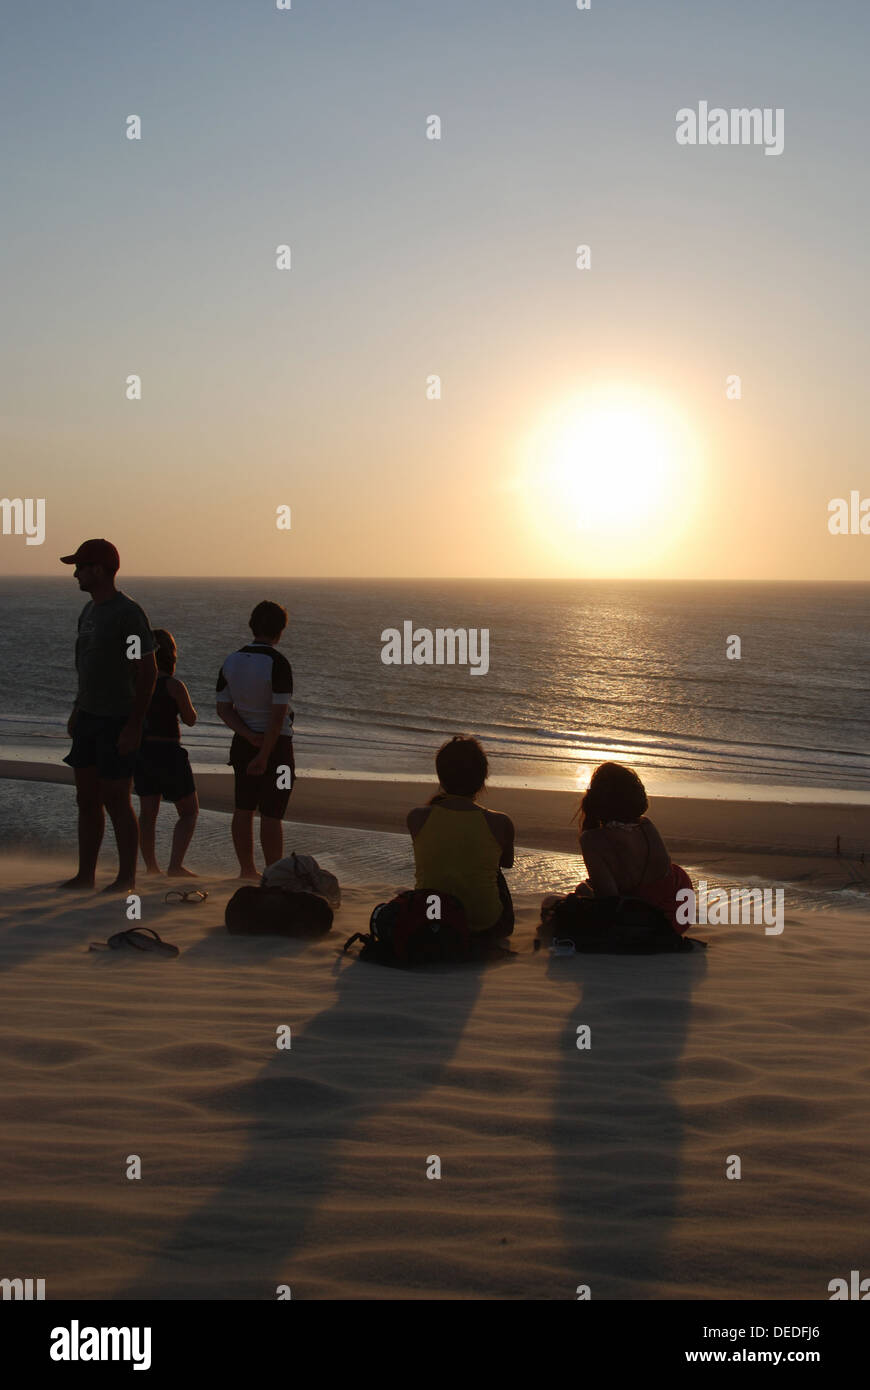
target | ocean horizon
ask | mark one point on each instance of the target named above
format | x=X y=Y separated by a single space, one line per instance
x=578 y=671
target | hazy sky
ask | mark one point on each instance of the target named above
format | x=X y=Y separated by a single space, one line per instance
x=413 y=257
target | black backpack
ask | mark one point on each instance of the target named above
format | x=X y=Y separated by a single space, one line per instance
x=617 y=926
x=255 y=911
x=401 y=932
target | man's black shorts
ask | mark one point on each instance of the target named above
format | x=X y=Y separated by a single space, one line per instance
x=262 y=793
x=95 y=744
x=163 y=769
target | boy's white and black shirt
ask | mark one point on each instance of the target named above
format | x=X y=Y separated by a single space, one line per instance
x=253 y=680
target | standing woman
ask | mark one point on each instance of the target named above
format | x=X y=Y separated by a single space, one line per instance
x=460 y=848
x=623 y=851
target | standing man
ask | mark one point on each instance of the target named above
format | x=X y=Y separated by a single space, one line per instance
x=116 y=672
x=253 y=699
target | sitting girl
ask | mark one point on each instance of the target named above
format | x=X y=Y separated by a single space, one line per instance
x=622 y=849
x=459 y=847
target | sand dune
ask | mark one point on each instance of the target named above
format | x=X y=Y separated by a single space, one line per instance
x=307 y=1167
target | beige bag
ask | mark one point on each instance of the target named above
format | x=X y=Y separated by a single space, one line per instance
x=301 y=873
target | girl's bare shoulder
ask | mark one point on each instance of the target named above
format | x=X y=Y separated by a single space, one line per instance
x=598 y=835
x=501 y=825
x=651 y=828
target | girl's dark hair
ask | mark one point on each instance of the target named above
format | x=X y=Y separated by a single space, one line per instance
x=166 y=652
x=615 y=793
x=461 y=766
x=268 y=619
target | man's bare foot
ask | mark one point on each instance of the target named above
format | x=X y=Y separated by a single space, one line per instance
x=152 y=868
x=180 y=872
x=82 y=885
x=250 y=873
x=121 y=885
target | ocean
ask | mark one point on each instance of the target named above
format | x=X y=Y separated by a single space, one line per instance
x=578 y=671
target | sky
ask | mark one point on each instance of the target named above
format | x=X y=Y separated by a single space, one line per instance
x=584 y=425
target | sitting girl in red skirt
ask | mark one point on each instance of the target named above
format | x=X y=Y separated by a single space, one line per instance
x=623 y=852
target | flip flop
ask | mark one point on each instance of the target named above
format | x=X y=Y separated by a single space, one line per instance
x=140 y=939
x=186 y=895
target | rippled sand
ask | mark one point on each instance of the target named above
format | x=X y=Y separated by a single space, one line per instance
x=307 y=1167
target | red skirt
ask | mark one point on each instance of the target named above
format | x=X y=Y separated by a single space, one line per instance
x=663 y=894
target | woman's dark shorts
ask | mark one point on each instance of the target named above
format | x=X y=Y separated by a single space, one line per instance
x=262 y=793
x=163 y=769
x=95 y=744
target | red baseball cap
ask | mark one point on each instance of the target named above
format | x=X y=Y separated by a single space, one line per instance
x=95 y=553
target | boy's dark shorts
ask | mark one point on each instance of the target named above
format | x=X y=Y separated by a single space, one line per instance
x=262 y=793
x=163 y=769
x=95 y=744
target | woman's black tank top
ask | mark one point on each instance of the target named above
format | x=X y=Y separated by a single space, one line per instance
x=161 y=721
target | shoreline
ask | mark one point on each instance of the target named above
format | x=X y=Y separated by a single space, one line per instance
x=664 y=789
x=791 y=839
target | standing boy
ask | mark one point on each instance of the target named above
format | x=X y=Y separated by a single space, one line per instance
x=116 y=674
x=253 y=699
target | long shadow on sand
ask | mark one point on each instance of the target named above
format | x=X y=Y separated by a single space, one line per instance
x=298 y=1110
x=617 y=1132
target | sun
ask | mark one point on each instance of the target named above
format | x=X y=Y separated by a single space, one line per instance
x=609 y=465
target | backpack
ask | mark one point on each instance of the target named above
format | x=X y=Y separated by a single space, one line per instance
x=401 y=932
x=257 y=911
x=618 y=926
x=302 y=873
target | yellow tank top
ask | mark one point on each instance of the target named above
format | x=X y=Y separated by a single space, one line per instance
x=457 y=853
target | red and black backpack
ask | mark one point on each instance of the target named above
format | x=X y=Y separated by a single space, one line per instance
x=416 y=928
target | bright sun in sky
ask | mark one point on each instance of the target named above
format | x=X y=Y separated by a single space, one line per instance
x=611 y=465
